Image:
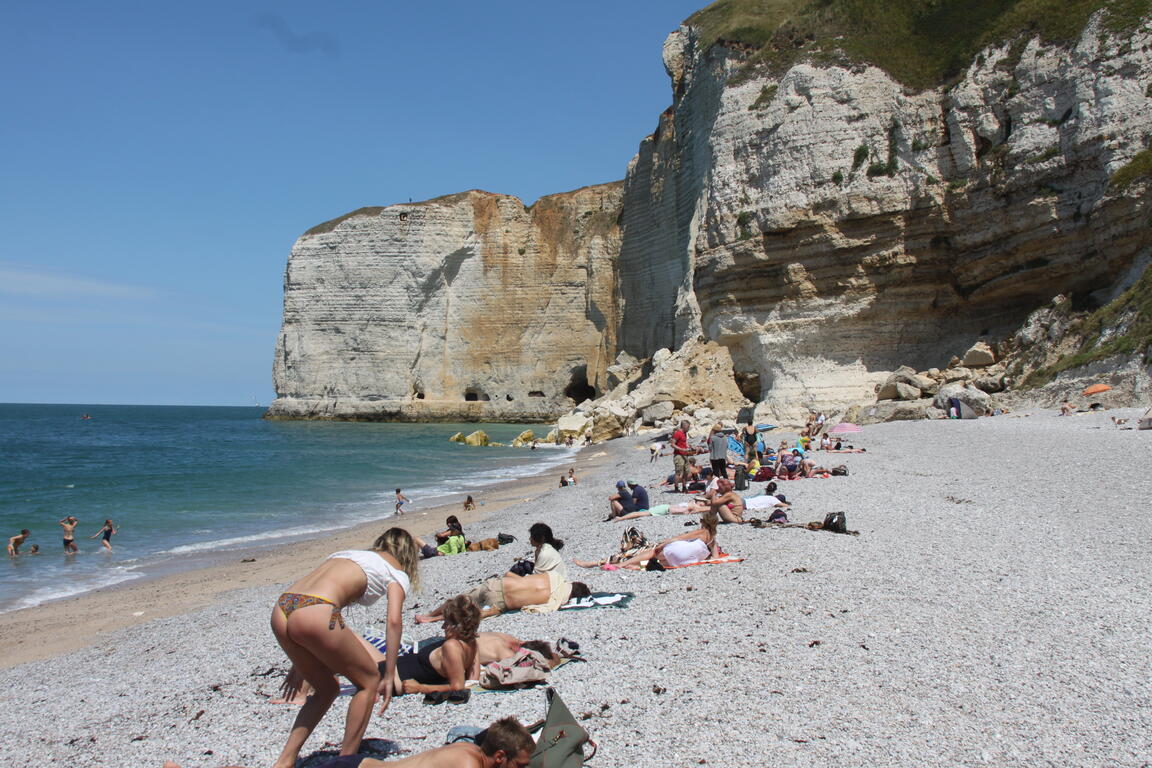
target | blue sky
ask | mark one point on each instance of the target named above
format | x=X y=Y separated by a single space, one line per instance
x=159 y=160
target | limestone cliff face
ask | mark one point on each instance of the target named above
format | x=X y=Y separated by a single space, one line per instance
x=467 y=307
x=827 y=225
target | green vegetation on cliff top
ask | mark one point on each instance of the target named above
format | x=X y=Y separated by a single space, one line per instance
x=921 y=43
x=328 y=226
x=1123 y=327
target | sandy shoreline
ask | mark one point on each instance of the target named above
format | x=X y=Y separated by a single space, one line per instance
x=994 y=610
x=30 y=634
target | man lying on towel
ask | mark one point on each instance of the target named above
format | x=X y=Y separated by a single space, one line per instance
x=505 y=744
x=534 y=593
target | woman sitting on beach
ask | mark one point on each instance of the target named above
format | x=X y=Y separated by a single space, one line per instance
x=447 y=664
x=547 y=555
x=788 y=465
x=449 y=541
x=309 y=626
x=687 y=548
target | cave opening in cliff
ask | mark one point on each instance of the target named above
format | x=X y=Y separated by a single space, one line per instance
x=473 y=394
x=578 y=387
x=749 y=385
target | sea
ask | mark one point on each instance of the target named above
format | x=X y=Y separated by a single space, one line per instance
x=185 y=483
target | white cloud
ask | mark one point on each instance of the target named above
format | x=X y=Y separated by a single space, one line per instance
x=23 y=281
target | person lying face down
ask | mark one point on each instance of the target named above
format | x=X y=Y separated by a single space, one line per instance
x=534 y=593
x=504 y=744
x=490 y=647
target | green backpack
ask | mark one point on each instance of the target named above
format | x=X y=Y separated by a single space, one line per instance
x=561 y=742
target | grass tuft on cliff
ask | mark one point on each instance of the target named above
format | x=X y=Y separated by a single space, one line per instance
x=1123 y=327
x=1139 y=167
x=921 y=43
x=331 y=224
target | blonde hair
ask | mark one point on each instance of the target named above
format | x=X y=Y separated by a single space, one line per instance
x=709 y=521
x=400 y=544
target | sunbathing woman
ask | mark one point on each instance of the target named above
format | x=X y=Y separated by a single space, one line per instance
x=310 y=628
x=691 y=547
x=725 y=503
x=446 y=665
x=490 y=647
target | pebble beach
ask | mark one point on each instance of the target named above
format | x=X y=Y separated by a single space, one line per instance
x=993 y=610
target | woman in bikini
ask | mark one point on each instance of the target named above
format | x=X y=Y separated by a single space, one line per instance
x=308 y=624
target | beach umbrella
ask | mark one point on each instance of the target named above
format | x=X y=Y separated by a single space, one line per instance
x=845 y=428
x=1096 y=389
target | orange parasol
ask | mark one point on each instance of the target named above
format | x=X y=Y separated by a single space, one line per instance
x=1096 y=389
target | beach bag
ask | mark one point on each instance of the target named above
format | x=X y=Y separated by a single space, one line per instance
x=741 y=482
x=562 y=740
x=840 y=471
x=505 y=538
x=764 y=474
x=835 y=522
x=522 y=669
x=522 y=567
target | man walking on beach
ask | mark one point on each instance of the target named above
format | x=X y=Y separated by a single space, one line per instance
x=680 y=454
x=69 y=526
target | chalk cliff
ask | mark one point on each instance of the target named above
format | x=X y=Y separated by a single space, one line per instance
x=821 y=219
x=466 y=307
x=827 y=224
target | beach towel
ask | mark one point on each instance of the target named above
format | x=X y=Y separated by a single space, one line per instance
x=725 y=560
x=599 y=600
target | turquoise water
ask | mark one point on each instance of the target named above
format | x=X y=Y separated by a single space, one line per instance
x=183 y=481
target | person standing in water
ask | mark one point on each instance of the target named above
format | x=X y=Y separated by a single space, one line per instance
x=106 y=532
x=401 y=500
x=69 y=526
x=16 y=541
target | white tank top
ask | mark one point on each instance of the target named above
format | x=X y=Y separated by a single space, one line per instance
x=379 y=572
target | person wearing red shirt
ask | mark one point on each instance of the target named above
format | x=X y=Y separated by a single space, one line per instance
x=680 y=454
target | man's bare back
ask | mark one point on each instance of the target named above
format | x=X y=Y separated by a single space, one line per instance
x=520 y=591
